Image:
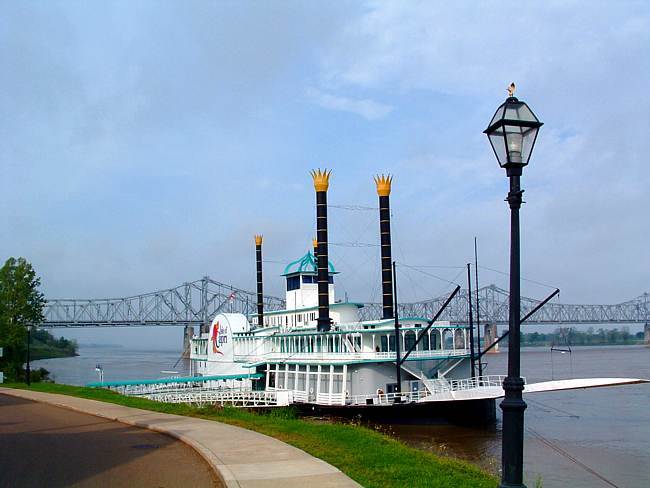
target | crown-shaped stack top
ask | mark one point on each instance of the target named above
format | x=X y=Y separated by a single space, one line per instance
x=321 y=179
x=258 y=239
x=383 y=184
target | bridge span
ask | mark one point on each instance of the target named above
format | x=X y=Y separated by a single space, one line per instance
x=195 y=303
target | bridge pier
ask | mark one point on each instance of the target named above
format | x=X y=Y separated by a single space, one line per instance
x=188 y=333
x=646 y=335
x=490 y=335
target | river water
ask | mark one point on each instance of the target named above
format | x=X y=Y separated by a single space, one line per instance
x=585 y=438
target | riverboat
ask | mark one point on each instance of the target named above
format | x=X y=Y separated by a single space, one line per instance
x=352 y=364
x=319 y=355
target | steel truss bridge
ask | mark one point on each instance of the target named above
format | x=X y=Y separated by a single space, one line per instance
x=493 y=303
x=192 y=303
x=195 y=303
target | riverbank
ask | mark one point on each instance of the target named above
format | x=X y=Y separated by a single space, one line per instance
x=45 y=346
x=550 y=344
x=370 y=458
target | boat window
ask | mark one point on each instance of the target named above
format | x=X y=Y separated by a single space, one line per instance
x=331 y=280
x=384 y=343
x=409 y=340
x=309 y=279
x=425 y=342
x=293 y=283
x=391 y=342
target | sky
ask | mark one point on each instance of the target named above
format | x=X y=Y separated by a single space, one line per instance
x=143 y=144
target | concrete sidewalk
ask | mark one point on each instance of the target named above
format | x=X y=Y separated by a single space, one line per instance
x=240 y=457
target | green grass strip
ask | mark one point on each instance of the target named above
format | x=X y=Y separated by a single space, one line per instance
x=371 y=458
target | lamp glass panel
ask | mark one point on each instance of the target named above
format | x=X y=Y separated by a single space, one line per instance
x=529 y=136
x=514 y=143
x=519 y=111
x=526 y=114
x=498 y=145
x=498 y=115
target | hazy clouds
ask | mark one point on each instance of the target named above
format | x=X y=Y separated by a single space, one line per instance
x=143 y=144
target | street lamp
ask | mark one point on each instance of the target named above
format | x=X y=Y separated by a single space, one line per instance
x=28 y=369
x=512 y=133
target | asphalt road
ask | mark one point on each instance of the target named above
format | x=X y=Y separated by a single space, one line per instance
x=46 y=446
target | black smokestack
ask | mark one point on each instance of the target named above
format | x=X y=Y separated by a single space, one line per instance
x=321 y=184
x=383 y=190
x=260 y=290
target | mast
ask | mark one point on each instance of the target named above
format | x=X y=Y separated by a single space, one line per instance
x=478 y=312
x=383 y=183
x=260 y=291
x=321 y=185
x=398 y=363
x=471 y=321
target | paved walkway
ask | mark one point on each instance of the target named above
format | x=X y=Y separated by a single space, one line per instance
x=242 y=458
x=43 y=445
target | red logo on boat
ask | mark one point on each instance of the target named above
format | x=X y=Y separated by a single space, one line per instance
x=219 y=337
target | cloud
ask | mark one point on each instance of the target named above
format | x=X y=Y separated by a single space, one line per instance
x=368 y=109
x=179 y=127
x=586 y=77
x=472 y=48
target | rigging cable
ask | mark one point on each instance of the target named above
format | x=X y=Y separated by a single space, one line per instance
x=551 y=407
x=568 y=456
x=523 y=279
x=452 y=282
x=353 y=207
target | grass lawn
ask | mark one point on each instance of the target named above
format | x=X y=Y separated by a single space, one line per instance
x=371 y=458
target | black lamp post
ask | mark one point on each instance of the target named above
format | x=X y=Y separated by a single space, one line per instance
x=512 y=133
x=28 y=370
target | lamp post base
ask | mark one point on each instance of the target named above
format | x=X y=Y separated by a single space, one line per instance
x=513 y=407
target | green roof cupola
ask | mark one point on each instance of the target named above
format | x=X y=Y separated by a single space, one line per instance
x=306 y=265
x=302 y=278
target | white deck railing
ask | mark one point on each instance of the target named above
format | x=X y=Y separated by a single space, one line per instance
x=437 y=386
x=236 y=398
x=436 y=389
x=349 y=356
x=440 y=385
x=386 y=398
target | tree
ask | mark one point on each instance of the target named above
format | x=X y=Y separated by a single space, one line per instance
x=21 y=304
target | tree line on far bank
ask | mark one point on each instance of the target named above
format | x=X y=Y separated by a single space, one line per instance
x=21 y=305
x=574 y=337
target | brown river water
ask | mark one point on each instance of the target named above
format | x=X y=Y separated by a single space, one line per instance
x=597 y=437
x=584 y=438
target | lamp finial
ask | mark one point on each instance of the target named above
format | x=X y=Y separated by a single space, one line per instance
x=511 y=89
